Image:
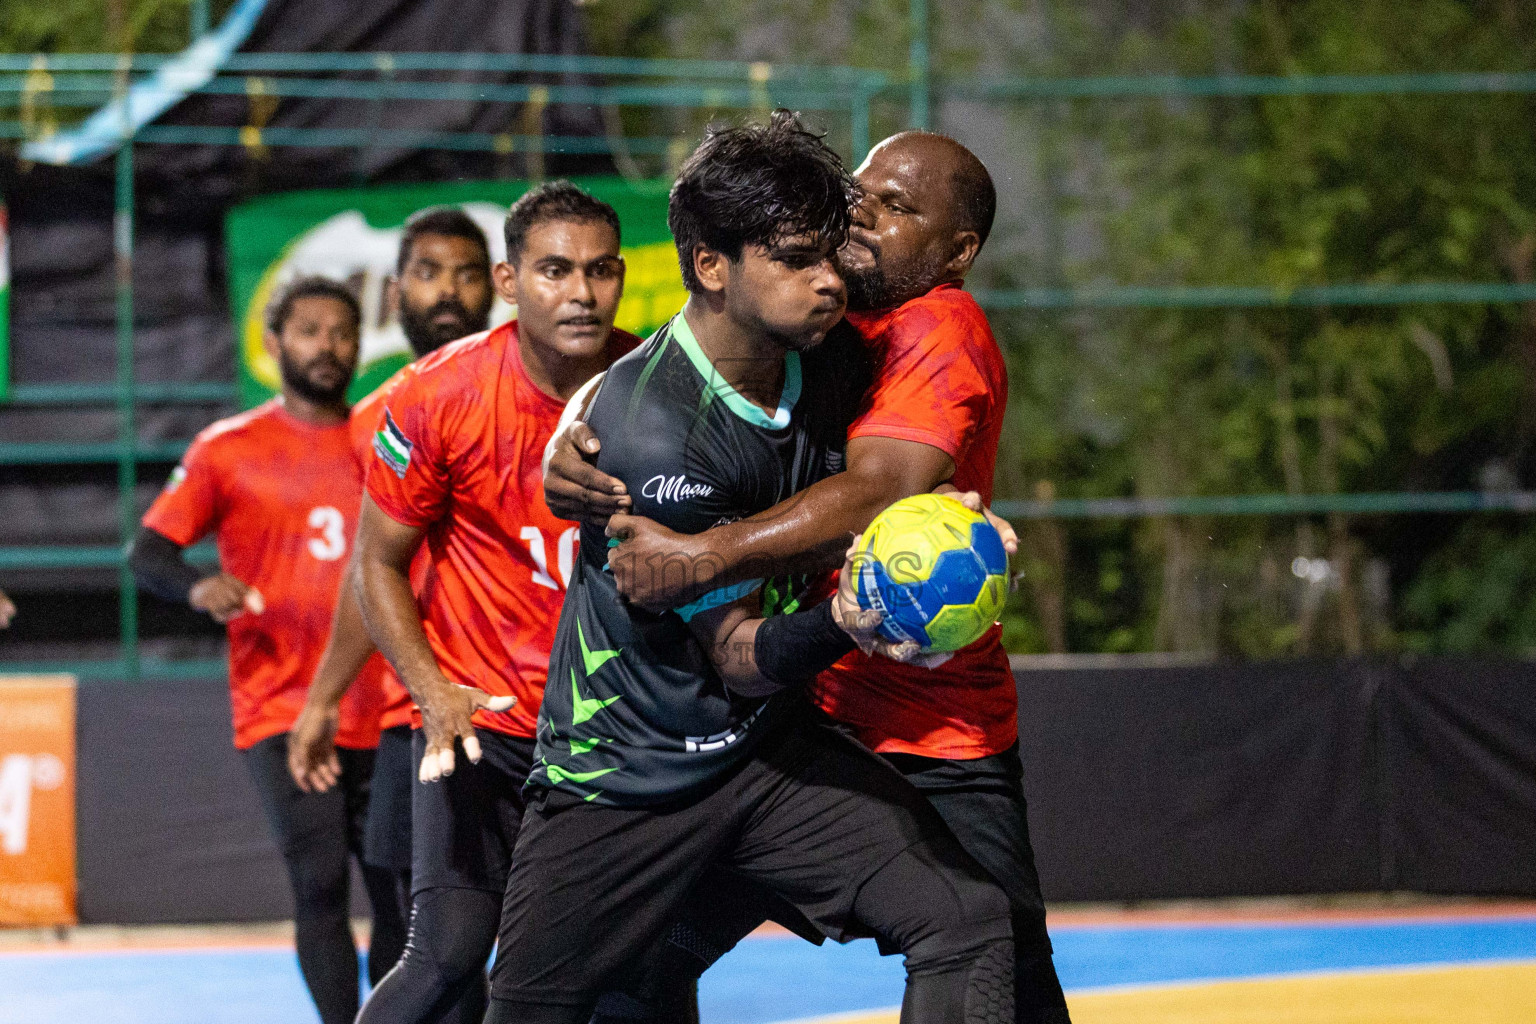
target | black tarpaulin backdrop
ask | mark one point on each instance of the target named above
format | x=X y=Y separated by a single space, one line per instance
x=225 y=174
x=1240 y=780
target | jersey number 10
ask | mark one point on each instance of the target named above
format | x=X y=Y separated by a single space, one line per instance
x=566 y=553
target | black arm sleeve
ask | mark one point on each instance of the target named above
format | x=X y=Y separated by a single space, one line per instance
x=158 y=566
x=793 y=649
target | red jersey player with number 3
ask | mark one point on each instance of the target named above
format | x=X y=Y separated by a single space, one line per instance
x=457 y=468
x=279 y=488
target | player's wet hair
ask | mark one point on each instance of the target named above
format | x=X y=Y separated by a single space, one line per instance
x=758 y=184
x=444 y=221
x=553 y=200
x=280 y=308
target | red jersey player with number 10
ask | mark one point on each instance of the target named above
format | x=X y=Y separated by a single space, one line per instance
x=457 y=468
x=279 y=488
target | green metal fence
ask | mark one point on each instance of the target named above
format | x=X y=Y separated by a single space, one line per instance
x=85 y=81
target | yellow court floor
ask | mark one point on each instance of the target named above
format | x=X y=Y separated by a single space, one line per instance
x=1481 y=994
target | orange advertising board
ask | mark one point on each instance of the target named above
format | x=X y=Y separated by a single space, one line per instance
x=37 y=800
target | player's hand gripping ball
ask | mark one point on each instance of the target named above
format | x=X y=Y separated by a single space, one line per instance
x=935 y=570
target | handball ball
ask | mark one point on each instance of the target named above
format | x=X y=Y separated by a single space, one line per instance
x=934 y=569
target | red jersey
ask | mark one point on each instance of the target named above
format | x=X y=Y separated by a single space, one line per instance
x=367 y=420
x=281 y=497
x=460 y=454
x=939 y=380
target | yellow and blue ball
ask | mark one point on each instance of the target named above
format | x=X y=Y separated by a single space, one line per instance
x=936 y=571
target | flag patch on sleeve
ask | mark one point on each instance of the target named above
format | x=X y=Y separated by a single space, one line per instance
x=393 y=447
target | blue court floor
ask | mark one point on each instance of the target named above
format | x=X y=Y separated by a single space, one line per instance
x=773 y=978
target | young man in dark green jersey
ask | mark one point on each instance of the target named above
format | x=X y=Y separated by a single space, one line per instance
x=676 y=743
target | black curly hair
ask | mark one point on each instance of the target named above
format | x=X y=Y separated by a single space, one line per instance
x=553 y=200
x=758 y=184
x=444 y=221
x=314 y=286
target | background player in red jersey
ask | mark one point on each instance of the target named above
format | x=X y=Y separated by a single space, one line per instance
x=456 y=468
x=441 y=291
x=933 y=416
x=279 y=488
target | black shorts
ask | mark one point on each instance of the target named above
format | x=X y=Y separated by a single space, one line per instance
x=982 y=802
x=313 y=830
x=809 y=814
x=387 y=839
x=463 y=827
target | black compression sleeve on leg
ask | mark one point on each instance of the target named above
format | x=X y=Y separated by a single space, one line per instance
x=323 y=935
x=1037 y=991
x=387 y=938
x=159 y=567
x=452 y=932
x=974 y=989
x=509 y=1011
x=794 y=648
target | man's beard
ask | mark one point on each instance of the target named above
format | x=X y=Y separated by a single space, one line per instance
x=297 y=379
x=867 y=288
x=424 y=335
x=873 y=288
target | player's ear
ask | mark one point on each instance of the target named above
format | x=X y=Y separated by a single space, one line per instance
x=504 y=277
x=392 y=297
x=710 y=268
x=967 y=244
x=269 y=342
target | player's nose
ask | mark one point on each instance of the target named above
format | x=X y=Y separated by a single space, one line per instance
x=581 y=291
x=828 y=280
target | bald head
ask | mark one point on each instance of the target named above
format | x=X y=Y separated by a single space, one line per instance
x=928 y=207
x=973 y=196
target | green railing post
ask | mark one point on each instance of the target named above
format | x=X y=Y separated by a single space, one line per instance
x=127 y=430
x=200 y=21
x=919 y=73
x=860 y=114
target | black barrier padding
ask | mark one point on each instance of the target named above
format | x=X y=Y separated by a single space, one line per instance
x=1221 y=780
x=1462 y=736
x=169 y=825
x=1207 y=781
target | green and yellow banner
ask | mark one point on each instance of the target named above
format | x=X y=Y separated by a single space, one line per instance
x=353 y=236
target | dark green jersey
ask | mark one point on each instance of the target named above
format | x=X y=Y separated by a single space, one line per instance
x=634 y=711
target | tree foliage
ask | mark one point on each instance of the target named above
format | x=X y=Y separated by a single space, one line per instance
x=1282 y=191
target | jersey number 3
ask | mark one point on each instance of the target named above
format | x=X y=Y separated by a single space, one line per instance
x=332 y=542
x=534 y=538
